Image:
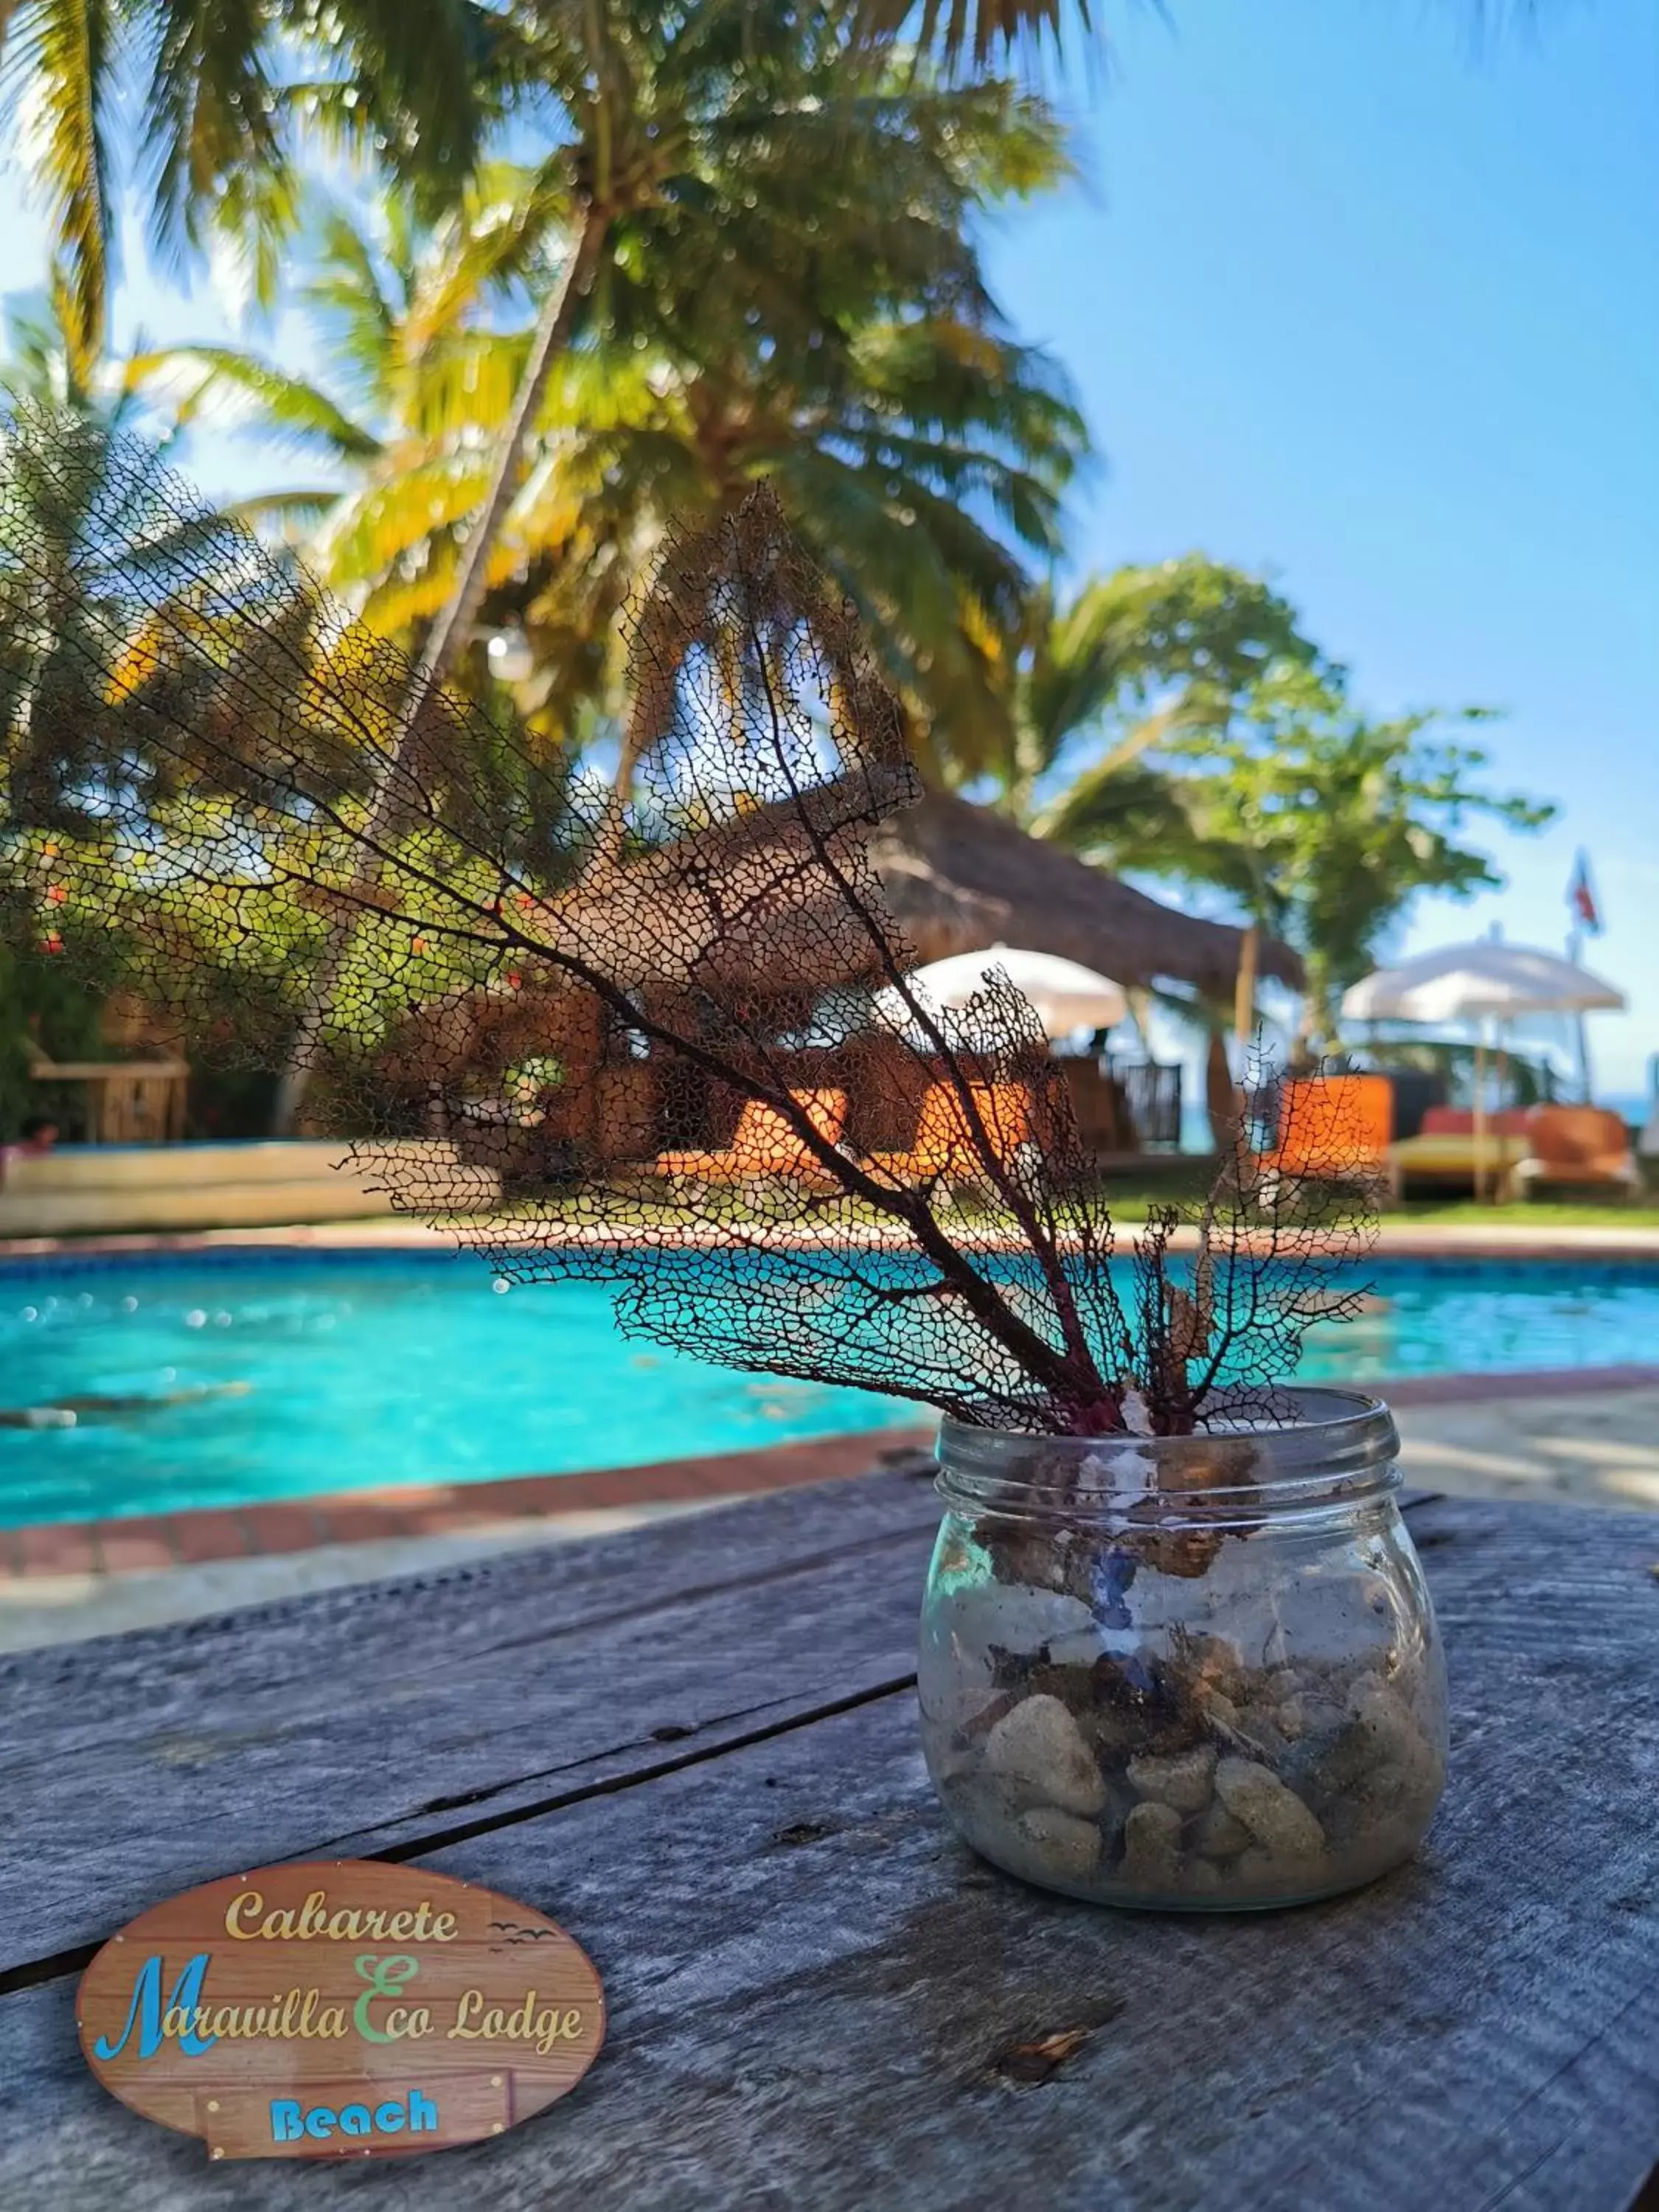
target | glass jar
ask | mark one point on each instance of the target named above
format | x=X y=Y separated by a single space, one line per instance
x=1198 y=1672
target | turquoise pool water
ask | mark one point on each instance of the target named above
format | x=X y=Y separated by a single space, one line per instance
x=244 y=1376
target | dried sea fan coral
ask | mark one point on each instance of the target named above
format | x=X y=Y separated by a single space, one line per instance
x=665 y=1018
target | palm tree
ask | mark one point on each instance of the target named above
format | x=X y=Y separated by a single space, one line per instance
x=1103 y=690
x=684 y=125
x=1135 y=660
x=45 y=369
x=224 y=97
x=646 y=96
x=821 y=323
x=1318 y=821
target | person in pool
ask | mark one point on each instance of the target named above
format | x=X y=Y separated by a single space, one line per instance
x=69 y=1413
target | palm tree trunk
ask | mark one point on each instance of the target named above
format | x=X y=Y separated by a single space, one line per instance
x=443 y=647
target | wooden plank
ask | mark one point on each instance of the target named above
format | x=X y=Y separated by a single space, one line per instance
x=203 y=1670
x=819 y=1998
x=379 y=1719
x=204 y=1674
x=99 y=1070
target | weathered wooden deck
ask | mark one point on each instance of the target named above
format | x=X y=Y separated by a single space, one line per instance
x=694 y=1745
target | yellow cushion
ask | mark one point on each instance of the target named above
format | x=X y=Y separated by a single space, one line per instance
x=1454 y=1155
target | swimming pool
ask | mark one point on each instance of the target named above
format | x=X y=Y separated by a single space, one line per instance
x=239 y=1375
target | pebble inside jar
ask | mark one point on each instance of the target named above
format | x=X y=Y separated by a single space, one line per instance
x=1196 y=1671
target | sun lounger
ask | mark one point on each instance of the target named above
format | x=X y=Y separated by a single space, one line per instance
x=1332 y=1129
x=1582 y=1145
x=944 y=1149
x=765 y=1144
x=1445 y=1150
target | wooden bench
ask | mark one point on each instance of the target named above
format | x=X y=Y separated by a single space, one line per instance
x=696 y=1747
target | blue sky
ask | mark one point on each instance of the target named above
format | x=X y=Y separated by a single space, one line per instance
x=1351 y=301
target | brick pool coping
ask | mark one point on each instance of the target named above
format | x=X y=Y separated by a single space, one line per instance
x=198 y=1536
x=1401 y=1240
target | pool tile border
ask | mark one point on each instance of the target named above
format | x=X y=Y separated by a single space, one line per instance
x=200 y=1536
x=398 y=1237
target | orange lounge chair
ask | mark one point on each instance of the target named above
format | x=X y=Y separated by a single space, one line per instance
x=1576 y=1144
x=765 y=1144
x=1332 y=1129
x=945 y=1149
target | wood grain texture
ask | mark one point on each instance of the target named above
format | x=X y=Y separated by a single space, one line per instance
x=819 y=1999
x=371 y=1720
x=93 y=1690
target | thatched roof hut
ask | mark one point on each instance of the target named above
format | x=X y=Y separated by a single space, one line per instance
x=958 y=877
x=745 y=900
x=744 y=905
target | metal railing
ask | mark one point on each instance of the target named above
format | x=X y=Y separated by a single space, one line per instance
x=1152 y=1094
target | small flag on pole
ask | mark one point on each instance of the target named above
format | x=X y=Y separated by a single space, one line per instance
x=1581 y=895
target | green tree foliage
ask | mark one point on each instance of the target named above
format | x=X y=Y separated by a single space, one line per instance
x=1132 y=660
x=203 y=106
x=806 y=305
x=1321 y=823
x=206 y=106
x=746 y=252
x=45 y=369
x=45 y=1003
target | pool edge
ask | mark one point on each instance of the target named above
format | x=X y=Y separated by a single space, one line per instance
x=195 y=1536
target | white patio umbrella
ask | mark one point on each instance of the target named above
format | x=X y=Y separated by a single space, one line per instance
x=1487 y=982
x=1065 y=994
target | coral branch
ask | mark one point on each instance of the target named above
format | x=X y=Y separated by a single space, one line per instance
x=667 y=1010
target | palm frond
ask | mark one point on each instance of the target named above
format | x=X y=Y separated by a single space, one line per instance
x=63 y=68
x=499 y=236
x=347 y=292
x=977 y=33
x=1194 y=629
x=418 y=69
x=293 y=516
x=248 y=392
x=210 y=143
x=1117 y=801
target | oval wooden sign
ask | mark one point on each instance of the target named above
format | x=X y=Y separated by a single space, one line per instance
x=339 y=2008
